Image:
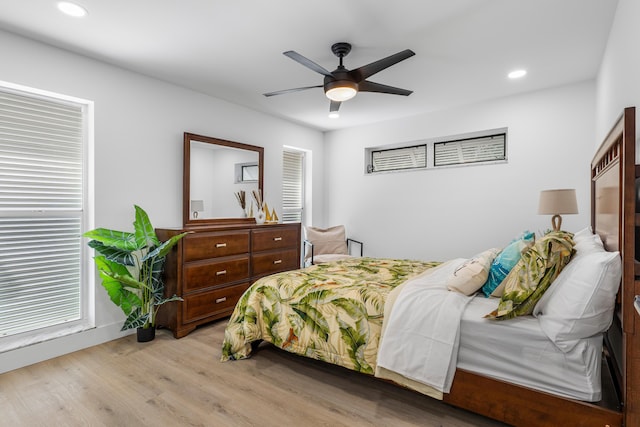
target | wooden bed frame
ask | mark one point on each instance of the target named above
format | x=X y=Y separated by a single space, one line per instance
x=614 y=218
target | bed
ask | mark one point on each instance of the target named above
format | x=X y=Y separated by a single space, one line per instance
x=362 y=314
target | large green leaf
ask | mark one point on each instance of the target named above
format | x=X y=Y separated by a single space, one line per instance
x=153 y=265
x=356 y=339
x=136 y=319
x=314 y=319
x=145 y=235
x=272 y=295
x=163 y=249
x=117 y=239
x=373 y=296
x=121 y=256
x=271 y=319
x=169 y=299
x=353 y=308
x=119 y=294
x=151 y=272
x=321 y=296
x=126 y=279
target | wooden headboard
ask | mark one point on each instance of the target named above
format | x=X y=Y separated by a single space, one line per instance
x=613 y=217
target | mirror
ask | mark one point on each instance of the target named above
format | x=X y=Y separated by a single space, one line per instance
x=214 y=171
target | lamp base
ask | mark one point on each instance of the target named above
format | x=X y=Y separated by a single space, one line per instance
x=556 y=222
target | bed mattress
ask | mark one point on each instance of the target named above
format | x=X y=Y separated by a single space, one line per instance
x=517 y=351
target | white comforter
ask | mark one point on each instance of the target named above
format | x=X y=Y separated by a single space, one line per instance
x=421 y=335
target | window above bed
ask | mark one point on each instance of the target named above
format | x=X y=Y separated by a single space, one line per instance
x=484 y=147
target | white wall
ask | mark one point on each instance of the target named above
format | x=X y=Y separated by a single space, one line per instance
x=457 y=212
x=619 y=77
x=139 y=124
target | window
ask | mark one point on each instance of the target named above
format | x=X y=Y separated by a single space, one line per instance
x=292 y=186
x=44 y=143
x=487 y=147
x=472 y=150
x=246 y=172
x=393 y=159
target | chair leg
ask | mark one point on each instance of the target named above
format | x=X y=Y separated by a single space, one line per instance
x=349 y=241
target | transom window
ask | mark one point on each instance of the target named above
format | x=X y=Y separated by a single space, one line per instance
x=460 y=150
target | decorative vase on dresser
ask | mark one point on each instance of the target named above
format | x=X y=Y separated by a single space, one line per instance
x=212 y=266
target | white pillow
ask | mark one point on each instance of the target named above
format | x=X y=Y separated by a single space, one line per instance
x=580 y=302
x=582 y=234
x=473 y=273
x=588 y=244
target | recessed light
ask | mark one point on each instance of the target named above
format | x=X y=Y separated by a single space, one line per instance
x=72 y=9
x=516 y=74
x=334 y=115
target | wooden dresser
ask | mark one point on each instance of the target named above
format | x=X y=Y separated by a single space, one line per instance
x=212 y=266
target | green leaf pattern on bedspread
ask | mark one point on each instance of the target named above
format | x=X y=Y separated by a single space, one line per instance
x=331 y=312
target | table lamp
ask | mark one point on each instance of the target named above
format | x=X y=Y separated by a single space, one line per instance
x=556 y=202
x=197 y=206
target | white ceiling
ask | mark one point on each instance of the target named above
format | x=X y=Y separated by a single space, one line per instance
x=233 y=49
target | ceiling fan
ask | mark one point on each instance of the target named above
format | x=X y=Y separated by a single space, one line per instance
x=342 y=84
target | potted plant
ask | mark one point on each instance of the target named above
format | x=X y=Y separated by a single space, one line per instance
x=130 y=266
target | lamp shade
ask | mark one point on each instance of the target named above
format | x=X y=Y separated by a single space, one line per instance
x=556 y=202
x=197 y=205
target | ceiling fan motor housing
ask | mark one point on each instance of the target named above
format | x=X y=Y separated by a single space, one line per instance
x=341 y=49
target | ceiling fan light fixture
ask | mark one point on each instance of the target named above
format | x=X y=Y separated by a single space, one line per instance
x=341 y=90
x=334 y=115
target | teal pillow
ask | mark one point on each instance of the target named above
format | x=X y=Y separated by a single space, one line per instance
x=505 y=261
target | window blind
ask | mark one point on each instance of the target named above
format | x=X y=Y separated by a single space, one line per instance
x=473 y=150
x=399 y=158
x=41 y=211
x=292 y=186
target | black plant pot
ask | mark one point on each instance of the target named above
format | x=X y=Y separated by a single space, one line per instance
x=146 y=334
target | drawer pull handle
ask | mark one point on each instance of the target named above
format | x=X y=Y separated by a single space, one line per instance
x=221 y=273
x=277 y=239
x=221 y=245
x=219 y=300
x=278 y=261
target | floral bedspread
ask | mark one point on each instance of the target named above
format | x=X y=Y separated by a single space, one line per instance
x=331 y=312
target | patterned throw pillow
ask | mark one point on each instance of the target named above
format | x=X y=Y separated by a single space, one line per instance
x=533 y=274
x=505 y=261
x=471 y=275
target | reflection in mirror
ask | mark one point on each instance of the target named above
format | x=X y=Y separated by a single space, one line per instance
x=247 y=172
x=215 y=170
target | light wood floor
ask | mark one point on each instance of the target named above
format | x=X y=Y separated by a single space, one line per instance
x=181 y=382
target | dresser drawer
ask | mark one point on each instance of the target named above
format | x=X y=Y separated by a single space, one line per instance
x=275 y=238
x=218 y=302
x=274 y=262
x=210 y=245
x=204 y=274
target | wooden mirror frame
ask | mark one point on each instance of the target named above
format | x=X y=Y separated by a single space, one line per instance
x=186 y=179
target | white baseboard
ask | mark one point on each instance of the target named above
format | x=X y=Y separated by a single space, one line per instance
x=28 y=355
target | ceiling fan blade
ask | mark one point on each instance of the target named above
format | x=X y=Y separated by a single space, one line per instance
x=306 y=62
x=361 y=73
x=297 y=89
x=367 y=86
x=334 y=107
